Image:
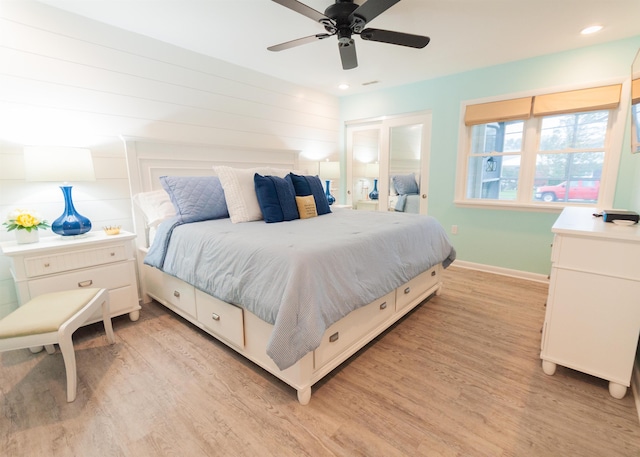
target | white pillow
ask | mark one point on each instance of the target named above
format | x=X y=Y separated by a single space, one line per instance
x=282 y=172
x=156 y=206
x=240 y=192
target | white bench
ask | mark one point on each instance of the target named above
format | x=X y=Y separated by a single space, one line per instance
x=52 y=318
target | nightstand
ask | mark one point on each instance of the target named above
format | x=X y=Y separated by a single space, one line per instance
x=367 y=205
x=93 y=260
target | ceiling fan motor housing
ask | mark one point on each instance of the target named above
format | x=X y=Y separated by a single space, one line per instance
x=345 y=23
x=345 y=18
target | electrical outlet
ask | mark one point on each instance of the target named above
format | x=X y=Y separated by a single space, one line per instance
x=454 y=229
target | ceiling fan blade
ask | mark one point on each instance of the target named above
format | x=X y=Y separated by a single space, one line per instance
x=304 y=10
x=348 y=54
x=371 y=9
x=402 y=39
x=298 y=42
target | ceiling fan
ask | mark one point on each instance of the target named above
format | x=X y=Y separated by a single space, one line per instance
x=345 y=18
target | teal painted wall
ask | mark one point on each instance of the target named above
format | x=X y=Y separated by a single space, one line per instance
x=513 y=239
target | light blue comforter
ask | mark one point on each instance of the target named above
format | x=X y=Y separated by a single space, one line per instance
x=303 y=275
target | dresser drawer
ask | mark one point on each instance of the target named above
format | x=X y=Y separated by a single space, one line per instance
x=73 y=260
x=220 y=318
x=177 y=293
x=108 y=277
x=344 y=333
x=119 y=279
x=619 y=258
x=412 y=290
x=121 y=301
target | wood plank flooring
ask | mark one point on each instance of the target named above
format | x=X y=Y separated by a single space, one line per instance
x=459 y=376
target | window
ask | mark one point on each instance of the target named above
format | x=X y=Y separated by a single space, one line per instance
x=550 y=151
x=570 y=157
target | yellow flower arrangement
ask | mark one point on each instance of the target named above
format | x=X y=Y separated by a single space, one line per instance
x=22 y=219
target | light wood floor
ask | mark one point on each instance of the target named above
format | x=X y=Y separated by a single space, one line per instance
x=460 y=376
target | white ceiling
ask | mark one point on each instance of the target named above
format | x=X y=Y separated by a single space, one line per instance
x=465 y=34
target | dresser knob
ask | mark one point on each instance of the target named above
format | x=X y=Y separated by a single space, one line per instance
x=383 y=305
x=215 y=317
x=46 y=265
x=176 y=294
x=112 y=254
x=407 y=290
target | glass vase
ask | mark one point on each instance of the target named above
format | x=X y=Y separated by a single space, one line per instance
x=373 y=195
x=70 y=223
x=330 y=198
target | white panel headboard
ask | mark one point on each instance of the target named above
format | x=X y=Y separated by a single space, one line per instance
x=148 y=159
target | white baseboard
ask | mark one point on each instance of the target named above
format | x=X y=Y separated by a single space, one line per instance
x=502 y=271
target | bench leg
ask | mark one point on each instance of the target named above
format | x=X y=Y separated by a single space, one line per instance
x=69 y=356
x=106 y=318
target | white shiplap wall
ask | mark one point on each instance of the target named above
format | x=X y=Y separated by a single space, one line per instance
x=69 y=81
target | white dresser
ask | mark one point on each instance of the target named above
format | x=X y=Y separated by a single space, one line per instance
x=592 y=319
x=93 y=260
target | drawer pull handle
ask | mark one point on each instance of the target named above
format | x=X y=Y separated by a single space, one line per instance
x=383 y=305
x=407 y=290
x=112 y=254
x=215 y=317
x=46 y=265
x=333 y=338
x=176 y=294
x=86 y=283
x=433 y=273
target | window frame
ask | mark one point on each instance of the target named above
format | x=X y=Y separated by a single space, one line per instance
x=526 y=177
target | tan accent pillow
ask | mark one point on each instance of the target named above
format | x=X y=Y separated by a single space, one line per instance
x=306 y=207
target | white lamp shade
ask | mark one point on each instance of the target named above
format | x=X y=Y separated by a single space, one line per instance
x=330 y=170
x=372 y=170
x=58 y=164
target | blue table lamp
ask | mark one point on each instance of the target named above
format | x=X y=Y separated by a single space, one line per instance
x=61 y=164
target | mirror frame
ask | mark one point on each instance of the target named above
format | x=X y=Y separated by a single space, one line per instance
x=635 y=105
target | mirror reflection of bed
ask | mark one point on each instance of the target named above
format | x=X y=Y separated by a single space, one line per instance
x=404 y=168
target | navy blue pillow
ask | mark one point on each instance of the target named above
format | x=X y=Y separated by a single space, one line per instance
x=311 y=185
x=276 y=197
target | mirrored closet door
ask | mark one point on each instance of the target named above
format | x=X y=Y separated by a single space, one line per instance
x=388 y=162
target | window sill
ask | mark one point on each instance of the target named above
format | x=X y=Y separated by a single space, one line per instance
x=518 y=206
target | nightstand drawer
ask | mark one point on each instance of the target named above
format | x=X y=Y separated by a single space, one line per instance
x=108 y=277
x=73 y=260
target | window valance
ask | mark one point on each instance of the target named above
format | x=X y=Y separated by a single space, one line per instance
x=504 y=110
x=574 y=101
x=635 y=91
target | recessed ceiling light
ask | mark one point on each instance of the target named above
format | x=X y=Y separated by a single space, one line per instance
x=591 y=29
x=343 y=86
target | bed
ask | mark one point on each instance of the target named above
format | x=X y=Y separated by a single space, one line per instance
x=324 y=291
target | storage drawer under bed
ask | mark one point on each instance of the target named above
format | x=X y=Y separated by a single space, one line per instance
x=176 y=292
x=412 y=290
x=220 y=318
x=344 y=333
